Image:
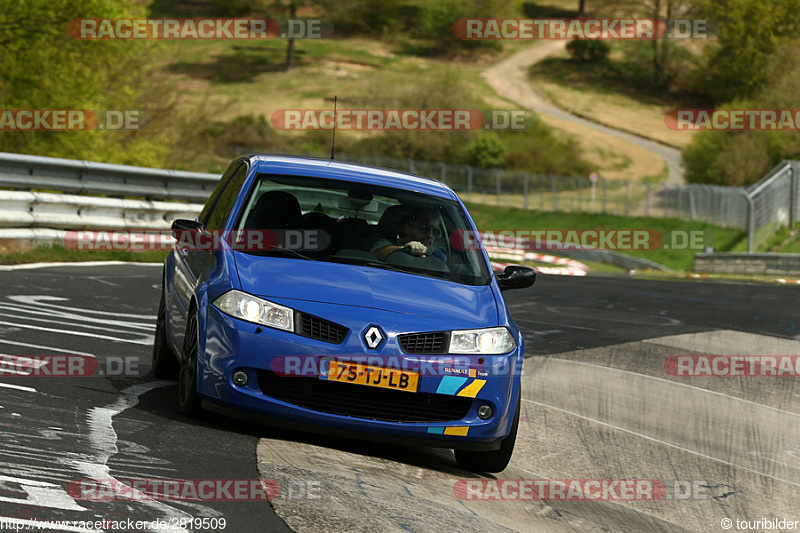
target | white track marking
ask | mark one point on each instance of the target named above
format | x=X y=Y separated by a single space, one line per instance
x=31 y=266
x=146 y=340
x=681 y=448
x=41 y=494
x=39 y=301
x=676 y=383
x=49 y=348
x=103 y=441
x=52 y=313
x=729 y=342
x=17 y=387
x=74 y=322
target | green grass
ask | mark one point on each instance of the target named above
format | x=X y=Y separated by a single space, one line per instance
x=57 y=253
x=488 y=217
x=216 y=82
x=496 y=218
x=785 y=241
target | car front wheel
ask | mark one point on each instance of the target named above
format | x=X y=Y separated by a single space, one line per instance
x=165 y=364
x=188 y=399
x=491 y=461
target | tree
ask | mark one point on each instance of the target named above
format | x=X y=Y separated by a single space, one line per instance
x=742 y=157
x=44 y=68
x=750 y=32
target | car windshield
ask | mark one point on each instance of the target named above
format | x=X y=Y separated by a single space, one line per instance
x=310 y=218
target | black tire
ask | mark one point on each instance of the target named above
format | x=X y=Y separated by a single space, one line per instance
x=491 y=461
x=188 y=399
x=165 y=364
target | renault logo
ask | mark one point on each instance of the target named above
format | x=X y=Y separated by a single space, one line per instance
x=373 y=337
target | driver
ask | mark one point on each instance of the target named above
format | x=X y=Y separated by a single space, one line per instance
x=419 y=231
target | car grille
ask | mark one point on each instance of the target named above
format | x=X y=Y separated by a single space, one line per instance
x=424 y=343
x=317 y=328
x=362 y=401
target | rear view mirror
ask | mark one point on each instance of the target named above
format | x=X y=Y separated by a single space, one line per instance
x=181 y=224
x=516 y=277
x=358 y=204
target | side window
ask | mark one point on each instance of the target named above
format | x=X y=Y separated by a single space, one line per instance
x=227 y=198
x=222 y=184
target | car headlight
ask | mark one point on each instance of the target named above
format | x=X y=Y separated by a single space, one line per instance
x=246 y=307
x=491 y=341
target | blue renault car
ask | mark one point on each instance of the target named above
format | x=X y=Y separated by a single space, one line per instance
x=342 y=299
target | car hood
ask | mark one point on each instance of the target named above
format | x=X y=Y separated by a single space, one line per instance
x=357 y=286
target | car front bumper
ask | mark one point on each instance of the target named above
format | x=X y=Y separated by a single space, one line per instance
x=447 y=384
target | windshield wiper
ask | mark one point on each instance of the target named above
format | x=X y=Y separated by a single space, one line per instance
x=427 y=273
x=293 y=253
x=385 y=266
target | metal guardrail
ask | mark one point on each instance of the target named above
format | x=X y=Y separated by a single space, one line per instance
x=26 y=172
x=20 y=209
x=773 y=202
x=760 y=209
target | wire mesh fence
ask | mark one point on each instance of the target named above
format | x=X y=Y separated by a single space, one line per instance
x=760 y=209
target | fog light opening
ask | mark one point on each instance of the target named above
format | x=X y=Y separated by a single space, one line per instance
x=240 y=378
x=485 y=412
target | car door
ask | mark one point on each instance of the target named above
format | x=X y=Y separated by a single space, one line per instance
x=192 y=264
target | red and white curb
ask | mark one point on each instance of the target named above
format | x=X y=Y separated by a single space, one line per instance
x=568 y=267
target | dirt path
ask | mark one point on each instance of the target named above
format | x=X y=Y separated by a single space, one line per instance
x=510 y=80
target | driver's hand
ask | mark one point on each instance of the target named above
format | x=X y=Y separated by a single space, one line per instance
x=415 y=248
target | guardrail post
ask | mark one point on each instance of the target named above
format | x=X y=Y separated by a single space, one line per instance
x=751 y=221
x=795 y=188
x=526 y=178
x=554 y=188
x=627 y=196
x=469 y=181
x=646 y=199
x=580 y=193
x=605 y=194
x=497 y=185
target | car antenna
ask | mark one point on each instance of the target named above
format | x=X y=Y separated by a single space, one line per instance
x=333 y=138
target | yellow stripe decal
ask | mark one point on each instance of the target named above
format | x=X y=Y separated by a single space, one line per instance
x=460 y=431
x=471 y=390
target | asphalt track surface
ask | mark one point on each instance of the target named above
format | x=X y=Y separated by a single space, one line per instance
x=597 y=405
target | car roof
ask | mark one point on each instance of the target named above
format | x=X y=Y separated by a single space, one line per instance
x=327 y=168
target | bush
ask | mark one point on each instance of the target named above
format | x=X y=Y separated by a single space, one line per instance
x=742 y=157
x=488 y=151
x=588 y=50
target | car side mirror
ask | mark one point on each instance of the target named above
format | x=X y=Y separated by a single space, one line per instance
x=516 y=277
x=181 y=225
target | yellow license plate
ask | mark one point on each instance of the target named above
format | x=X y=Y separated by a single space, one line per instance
x=373 y=376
